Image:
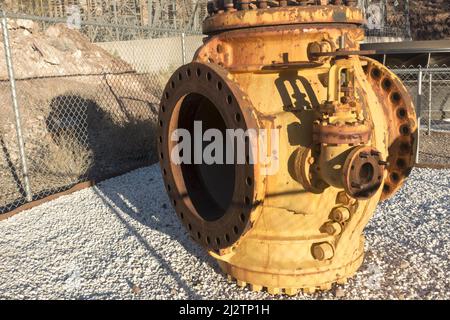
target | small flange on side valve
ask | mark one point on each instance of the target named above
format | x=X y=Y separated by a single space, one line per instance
x=278 y=141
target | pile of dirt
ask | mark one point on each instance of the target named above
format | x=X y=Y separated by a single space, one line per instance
x=86 y=114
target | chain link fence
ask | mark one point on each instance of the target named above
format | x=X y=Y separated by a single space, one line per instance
x=79 y=106
x=430 y=89
x=82 y=106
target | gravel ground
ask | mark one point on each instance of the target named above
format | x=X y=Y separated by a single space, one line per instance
x=435 y=148
x=122 y=240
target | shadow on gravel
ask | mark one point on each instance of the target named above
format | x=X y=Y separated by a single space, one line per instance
x=123 y=200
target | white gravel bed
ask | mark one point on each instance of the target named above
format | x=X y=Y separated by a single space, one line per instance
x=122 y=240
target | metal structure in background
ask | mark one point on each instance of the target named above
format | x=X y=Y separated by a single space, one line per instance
x=165 y=14
x=108 y=32
x=386 y=18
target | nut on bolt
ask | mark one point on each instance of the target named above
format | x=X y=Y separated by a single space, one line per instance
x=322 y=251
x=332 y=228
x=340 y=214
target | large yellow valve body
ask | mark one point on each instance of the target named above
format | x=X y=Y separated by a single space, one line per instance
x=345 y=137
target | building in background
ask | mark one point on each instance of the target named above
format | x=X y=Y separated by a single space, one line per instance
x=387 y=20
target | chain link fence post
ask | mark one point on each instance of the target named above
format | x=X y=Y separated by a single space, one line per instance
x=15 y=105
x=183 y=48
x=419 y=110
x=430 y=99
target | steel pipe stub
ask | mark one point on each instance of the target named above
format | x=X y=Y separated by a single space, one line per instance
x=214 y=201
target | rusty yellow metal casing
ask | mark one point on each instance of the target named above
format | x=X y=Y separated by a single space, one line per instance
x=346 y=134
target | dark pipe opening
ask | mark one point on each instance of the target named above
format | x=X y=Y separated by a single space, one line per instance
x=366 y=173
x=210 y=186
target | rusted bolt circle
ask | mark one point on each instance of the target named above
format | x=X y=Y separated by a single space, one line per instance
x=402 y=125
x=362 y=170
x=375 y=73
x=396 y=97
x=386 y=84
x=402 y=113
x=217 y=210
x=395 y=177
x=405 y=148
x=405 y=130
x=401 y=163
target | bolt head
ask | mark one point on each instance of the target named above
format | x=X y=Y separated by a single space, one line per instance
x=322 y=251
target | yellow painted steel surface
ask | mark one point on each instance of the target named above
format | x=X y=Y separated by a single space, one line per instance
x=346 y=135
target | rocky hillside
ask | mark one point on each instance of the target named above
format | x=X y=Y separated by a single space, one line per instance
x=430 y=19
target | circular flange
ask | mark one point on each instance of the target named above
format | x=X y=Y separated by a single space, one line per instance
x=213 y=225
x=342 y=134
x=282 y=16
x=363 y=172
x=400 y=113
x=304 y=171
